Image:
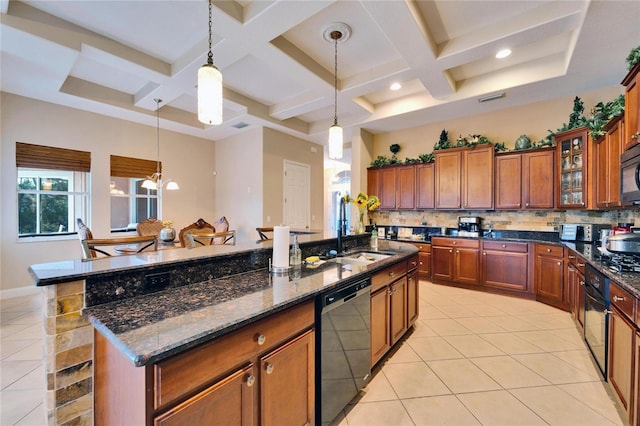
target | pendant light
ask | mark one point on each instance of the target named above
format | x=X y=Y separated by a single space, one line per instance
x=209 y=88
x=336 y=32
x=155 y=180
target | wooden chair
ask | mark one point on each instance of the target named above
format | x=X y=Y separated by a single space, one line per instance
x=90 y=246
x=149 y=226
x=195 y=240
x=262 y=235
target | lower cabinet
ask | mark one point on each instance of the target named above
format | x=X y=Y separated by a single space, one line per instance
x=505 y=265
x=239 y=378
x=413 y=297
x=636 y=387
x=456 y=259
x=575 y=286
x=549 y=275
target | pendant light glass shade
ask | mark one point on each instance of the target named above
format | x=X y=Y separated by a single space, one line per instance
x=209 y=95
x=335 y=142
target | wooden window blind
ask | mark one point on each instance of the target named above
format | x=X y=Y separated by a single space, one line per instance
x=132 y=167
x=48 y=157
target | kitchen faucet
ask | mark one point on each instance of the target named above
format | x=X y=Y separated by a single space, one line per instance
x=342 y=224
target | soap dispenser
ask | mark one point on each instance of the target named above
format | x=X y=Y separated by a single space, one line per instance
x=295 y=254
x=374 y=238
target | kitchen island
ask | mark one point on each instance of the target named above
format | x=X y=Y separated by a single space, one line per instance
x=151 y=307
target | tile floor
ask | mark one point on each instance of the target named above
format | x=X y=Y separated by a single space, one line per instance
x=473 y=358
x=478 y=358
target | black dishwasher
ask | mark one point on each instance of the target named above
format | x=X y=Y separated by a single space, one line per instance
x=343 y=352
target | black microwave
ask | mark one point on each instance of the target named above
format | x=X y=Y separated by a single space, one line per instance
x=630 y=175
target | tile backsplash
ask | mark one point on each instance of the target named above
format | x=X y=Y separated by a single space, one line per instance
x=525 y=220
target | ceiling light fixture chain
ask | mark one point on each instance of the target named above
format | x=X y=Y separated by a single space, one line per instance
x=335 y=35
x=157 y=101
x=210 y=54
x=337 y=32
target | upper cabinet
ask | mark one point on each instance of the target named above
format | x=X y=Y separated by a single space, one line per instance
x=425 y=186
x=395 y=186
x=406 y=191
x=525 y=180
x=632 y=107
x=607 y=151
x=574 y=169
x=464 y=178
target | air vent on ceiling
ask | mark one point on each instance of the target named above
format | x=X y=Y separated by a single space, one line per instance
x=492 y=97
x=240 y=125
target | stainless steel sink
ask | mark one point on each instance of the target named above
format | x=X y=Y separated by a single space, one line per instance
x=362 y=258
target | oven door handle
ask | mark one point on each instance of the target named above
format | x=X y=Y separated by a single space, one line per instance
x=596 y=302
x=637 y=175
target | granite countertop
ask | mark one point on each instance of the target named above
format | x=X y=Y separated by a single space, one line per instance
x=152 y=327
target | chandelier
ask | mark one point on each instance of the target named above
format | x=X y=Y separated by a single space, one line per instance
x=155 y=180
x=337 y=32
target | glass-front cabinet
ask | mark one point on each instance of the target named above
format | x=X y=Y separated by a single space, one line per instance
x=572 y=148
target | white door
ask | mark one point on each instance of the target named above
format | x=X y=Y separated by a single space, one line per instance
x=296 y=195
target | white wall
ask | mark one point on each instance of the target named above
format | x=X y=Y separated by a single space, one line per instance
x=188 y=160
x=238 y=180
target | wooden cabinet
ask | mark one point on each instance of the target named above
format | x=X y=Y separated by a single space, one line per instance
x=636 y=386
x=238 y=378
x=608 y=150
x=406 y=190
x=575 y=286
x=549 y=275
x=575 y=170
x=394 y=305
x=525 y=180
x=425 y=186
x=632 y=107
x=464 y=178
x=622 y=334
x=395 y=186
x=505 y=265
x=456 y=259
x=424 y=260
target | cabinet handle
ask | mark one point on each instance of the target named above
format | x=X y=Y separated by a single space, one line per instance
x=581 y=282
x=571 y=257
x=269 y=368
x=527 y=204
x=251 y=380
x=581 y=265
x=261 y=339
x=413 y=263
x=504 y=246
x=454 y=243
x=518 y=204
x=548 y=250
x=457 y=251
x=450 y=251
x=559 y=263
x=571 y=269
x=391 y=274
x=484 y=253
x=618 y=299
x=421 y=263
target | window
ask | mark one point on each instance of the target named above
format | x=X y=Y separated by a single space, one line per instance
x=130 y=202
x=52 y=189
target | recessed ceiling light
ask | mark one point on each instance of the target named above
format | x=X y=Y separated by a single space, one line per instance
x=395 y=86
x=503 y=53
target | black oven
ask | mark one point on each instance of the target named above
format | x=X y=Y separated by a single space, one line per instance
x=596 y=317
x=630 y=175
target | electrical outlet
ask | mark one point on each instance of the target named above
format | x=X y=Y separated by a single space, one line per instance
x=157 y=281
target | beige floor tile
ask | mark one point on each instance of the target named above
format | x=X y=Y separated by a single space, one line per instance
x=550 y=321
x=433 y=348
x=595 y=396
x=384 y=413
x=499 y=408
x=432 y=312
x=447 y=327
x=457 y=311
x=472 y=346
x=481 y=325
x=461 y=375
x=549 y=341
x=557 y=407
x=580 y=359
x=12 y=371
x=513 y=323
x=510 y=343
x=554 y=369
x=508 y=372
x=439 y=410
x=404 y=353
x=572 y=335
x=378 y=389
x=485 y=310
x=413 y=380
x=421 y=329
x=17 y=404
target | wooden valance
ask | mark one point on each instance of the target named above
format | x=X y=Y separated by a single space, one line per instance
x=132 y=167
x=52 y=158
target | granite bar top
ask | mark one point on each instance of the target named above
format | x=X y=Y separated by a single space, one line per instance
x=154 y=326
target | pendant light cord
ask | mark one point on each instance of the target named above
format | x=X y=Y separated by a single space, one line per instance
x=210 y=54
x=158 y=135
x=335 y=78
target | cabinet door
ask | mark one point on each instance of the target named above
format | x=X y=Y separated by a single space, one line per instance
x=380 y=320
x=413 y=298
x=406 y=190
x=508 y=181
x=636 y=409
x=580 y=299
x=632 y=112
x=538 y=179
x=373 y=181
x=505 y=270
x=387 y=188
x=549 y=285
x=448 y=180
x=602 y=170
x=424 y=264
x=425 y=186
x=467 y=265
x=614 y=137
x=442 y=263
x=477 y=188
x=572 y=149
x=621 y=358
x=398 y=300
x=287 y=377
x=230 y=401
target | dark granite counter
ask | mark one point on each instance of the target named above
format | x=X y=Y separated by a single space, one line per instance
x=154 y=326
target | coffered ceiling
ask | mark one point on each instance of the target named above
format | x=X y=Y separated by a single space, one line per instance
x=115 y=57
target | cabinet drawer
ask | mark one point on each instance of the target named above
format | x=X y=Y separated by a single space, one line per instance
x=388 y=275
x=424 y=248
x=412 y=263
x=623 y=300
x=455 y=242
x=505 y=246
x=549 y=250
x=577 y=261
x=183 y=373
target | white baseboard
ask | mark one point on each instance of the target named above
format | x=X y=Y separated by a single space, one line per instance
x=19 y=292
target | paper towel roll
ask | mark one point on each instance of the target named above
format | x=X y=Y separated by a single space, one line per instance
x=280 y=247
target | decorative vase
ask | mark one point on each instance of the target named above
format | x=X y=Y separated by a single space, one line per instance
x=359 y=229
x=167 y=235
